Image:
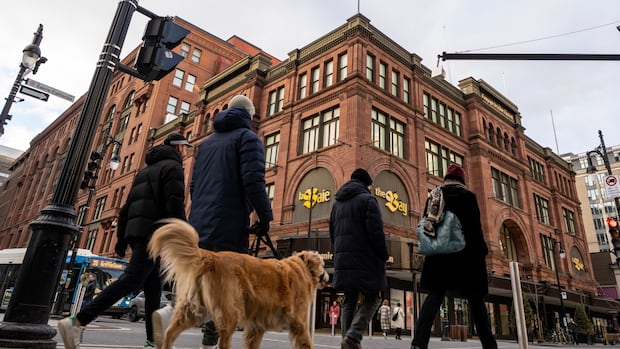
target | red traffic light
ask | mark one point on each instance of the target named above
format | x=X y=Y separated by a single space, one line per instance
x=612 y=223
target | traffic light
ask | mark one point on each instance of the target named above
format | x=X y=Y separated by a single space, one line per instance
x=155 y=58
x=91 y=170
x=614 y=231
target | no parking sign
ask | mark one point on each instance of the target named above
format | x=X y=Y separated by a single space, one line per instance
x=612 y=187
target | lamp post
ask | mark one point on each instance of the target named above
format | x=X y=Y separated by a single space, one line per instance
x=557 y=277
x=25 y=323
x=31 y=60
x=601 y=150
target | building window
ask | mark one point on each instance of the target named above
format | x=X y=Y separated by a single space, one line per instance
x=99 y=207
x=129 y=100
x=406 y=93
x=542 y=209
x=196 y=54
x=184 y=49
x=537 y=170
x=314 y=87
x=171 y=108
x=271 y=190
x=328 y=71
x=81 y=216
x=91 y=239
x=321 y=130
x=438 y=158
x=276 y=100
x=395 y=78
x=342 y=66
x=272 y=142
x=382 y=75
x=190 y=83
x=370 y=67
x=547 y=249
x=442 y=114
x=507 y=244
x=185 y=107
x=569 y=221
x=178 y=78
x=138 y=132
x=123 y=124
x=505 y=188
x=387 y=133
x=303 y=85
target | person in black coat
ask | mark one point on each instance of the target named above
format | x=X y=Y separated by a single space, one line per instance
x=463 y=271
x=228 y=183
x=157 y=192
x=360 y=253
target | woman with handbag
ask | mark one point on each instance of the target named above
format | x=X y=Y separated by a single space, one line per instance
x=464 y=271
x=398 y=318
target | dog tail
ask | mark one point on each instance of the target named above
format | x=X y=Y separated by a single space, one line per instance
x=176 y=242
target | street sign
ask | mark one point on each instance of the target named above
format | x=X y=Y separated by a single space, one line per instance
x=45 y=88
x=612 y=187
x=33 y=93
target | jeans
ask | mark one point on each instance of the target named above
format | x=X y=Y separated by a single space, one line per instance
x=355 y=323
x=429 y=310
x=141 y=272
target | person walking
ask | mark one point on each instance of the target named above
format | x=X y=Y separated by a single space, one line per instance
x=158 y=191
x=90 y=288
x=399 y=320
x=463 y=271
x=384 y=317
x=228 y=183
x=360 y=254
x=334 y=315
x=572 y=331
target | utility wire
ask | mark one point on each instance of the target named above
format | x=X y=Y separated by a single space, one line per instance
x=539 y=39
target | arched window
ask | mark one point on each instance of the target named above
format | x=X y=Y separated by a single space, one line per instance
x=129 y=100
x=506 y=142
x=507 y=244
x=491 y=133
x=498 y=136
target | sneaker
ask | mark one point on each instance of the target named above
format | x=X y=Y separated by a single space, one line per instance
x=350 y=343
x=71 y=333
x=149 y=344
x=161 y=319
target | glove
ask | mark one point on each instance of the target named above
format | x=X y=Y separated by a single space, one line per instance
x=120 y=248
x=263 y=227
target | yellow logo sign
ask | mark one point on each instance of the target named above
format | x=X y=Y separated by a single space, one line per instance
x=313 y=196
x=393 y=204
x=578 y=264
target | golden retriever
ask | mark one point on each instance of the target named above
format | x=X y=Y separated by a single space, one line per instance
x=235 y=289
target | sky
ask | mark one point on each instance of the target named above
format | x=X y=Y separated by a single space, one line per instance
x=563 y=104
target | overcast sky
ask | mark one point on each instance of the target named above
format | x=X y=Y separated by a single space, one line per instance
x=580 y=97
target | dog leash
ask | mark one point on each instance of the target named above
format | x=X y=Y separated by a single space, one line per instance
x=254 y=248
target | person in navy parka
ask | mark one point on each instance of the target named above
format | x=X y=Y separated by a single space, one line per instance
x=228 y=182
x=360 y=253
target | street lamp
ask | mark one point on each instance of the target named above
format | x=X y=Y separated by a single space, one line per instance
x=557 y=276
x=31 y=60
x=25 y=323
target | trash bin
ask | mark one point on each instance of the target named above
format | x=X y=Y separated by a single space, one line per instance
x=458 y=333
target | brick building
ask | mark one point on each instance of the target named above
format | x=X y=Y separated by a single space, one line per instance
x=353 y=98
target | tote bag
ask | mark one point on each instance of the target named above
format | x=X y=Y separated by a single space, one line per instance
x=448 y=236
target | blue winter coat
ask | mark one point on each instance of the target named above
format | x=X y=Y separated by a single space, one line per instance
x=228 y=181
x=356 y=233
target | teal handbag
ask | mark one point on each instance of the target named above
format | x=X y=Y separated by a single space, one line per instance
x=448 y=237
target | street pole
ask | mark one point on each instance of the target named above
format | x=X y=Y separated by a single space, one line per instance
x=557 y=276
x=607 y=166
x=23 y=71
x=26 y=319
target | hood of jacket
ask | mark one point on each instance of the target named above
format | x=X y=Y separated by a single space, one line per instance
x=350 y=190
x=232 y=118
x=162 y=152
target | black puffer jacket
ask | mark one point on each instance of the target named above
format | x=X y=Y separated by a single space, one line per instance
x=356 y=233
x=464 y=271
x=228 y=182
x=157 y=192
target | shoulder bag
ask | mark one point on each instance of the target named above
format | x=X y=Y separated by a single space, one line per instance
x=448 y=236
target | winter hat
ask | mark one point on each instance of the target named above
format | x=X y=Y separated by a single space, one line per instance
x=176 y=139
x=361 y=175
x=243 y=102
x=455 y=172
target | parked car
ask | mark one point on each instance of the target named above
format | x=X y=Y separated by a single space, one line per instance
x=136 y=309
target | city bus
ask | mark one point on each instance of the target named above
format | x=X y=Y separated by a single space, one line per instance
x=69 y=291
